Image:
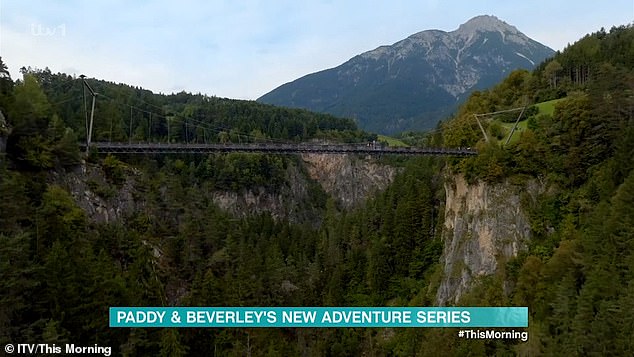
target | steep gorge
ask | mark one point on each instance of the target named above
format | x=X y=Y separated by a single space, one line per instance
x=484 y=224
x=347 y=179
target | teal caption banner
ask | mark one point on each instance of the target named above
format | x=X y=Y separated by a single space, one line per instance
x=318 y=317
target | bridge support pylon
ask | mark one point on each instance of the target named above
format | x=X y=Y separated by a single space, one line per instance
x=92 y=112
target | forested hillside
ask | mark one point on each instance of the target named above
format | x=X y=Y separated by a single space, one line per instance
x=60 y=270
x=576 y=277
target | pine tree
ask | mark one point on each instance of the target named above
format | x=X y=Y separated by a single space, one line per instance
x=171 y=345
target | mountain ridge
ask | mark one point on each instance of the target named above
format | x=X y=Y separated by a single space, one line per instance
x=416 y=81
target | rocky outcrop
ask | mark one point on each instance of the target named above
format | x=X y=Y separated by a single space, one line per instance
x=101 y=201
x=105 y=202
x=484 y=227
x=349 y=180
x=292 y=202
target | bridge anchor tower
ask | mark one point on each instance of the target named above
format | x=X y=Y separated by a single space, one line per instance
x=92 y=112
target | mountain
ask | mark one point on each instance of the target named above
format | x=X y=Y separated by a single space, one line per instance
x=417 y=81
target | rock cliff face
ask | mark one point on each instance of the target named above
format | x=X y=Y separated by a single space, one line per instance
x=484 y=227
x=292 y=202
x=349 y=180
x=101 y=202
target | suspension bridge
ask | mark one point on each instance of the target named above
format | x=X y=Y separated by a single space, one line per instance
x=268 y=146
x=271 y=148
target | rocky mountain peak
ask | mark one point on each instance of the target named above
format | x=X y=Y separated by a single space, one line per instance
x=486 y=23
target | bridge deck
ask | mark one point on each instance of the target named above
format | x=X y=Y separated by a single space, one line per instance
x=164 y=148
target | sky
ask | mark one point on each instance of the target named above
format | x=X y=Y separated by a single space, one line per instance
x=243 y=49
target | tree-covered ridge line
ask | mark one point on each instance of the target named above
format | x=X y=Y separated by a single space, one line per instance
x=48 y=114
x=190 y=117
